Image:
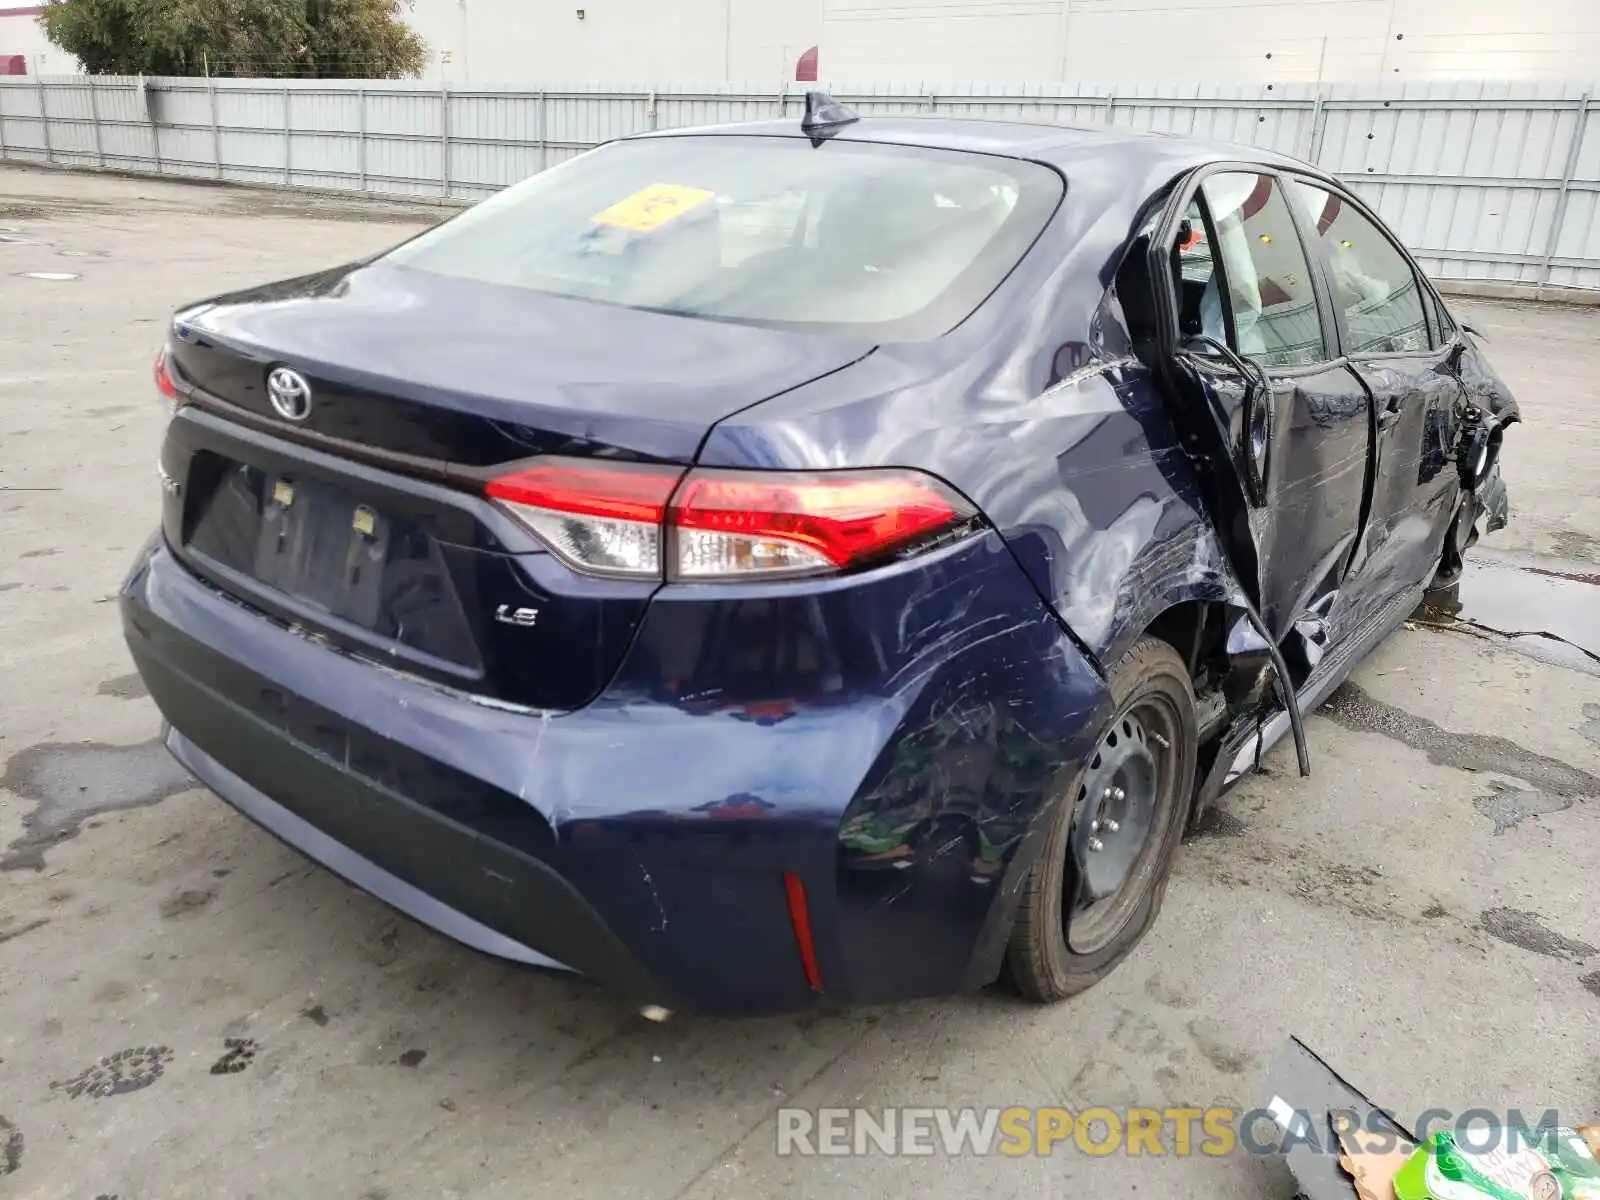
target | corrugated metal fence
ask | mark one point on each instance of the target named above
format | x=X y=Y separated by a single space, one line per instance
x=1491 y=182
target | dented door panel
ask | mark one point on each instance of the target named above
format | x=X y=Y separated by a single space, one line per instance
x=1302 y=532
x=1415 y=487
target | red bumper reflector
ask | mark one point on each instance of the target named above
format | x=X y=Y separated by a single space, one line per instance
x=800 y=918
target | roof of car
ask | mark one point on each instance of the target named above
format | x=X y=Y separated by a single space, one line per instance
x=1058 y=145
x=1112 y=174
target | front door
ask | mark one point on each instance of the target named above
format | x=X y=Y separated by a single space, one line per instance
x=1381 y=308
x=1303 y=456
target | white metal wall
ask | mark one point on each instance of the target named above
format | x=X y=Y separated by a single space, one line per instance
x=1485 y=181
x=1220 y=41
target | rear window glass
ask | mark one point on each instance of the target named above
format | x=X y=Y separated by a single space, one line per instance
x=893 y=242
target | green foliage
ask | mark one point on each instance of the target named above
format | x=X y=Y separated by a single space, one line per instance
x=276 y=39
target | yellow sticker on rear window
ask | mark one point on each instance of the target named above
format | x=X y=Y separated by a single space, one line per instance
x=652 y=207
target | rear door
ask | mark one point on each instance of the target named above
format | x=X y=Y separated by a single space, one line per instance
x=1381 y=307
x=1301 y=449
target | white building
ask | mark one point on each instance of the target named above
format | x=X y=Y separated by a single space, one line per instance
x=542 y=43
x=759 y=43
x=1212 y=41
x=24 y=50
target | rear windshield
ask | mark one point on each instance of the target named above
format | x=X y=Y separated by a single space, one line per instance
x=892 y=242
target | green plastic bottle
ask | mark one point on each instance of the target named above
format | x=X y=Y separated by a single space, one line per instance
x=1552 y=1165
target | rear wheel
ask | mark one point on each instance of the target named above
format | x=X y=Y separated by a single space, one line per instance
x=1102 y=873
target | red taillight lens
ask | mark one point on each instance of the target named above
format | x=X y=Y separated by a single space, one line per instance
x=605 y=518
x=735 y=523
x=615 y=518
x=164 y=381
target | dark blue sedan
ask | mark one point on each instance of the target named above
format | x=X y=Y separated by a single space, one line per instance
x=826 y=560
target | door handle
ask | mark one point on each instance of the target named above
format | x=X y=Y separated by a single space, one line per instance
x=1392 y=409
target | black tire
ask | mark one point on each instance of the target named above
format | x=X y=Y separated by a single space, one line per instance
x=1040 y=960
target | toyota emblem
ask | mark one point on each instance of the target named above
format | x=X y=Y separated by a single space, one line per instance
x=290 y=393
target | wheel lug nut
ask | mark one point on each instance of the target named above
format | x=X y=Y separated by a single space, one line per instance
x=1118 y=794
x=1096 y=845
x=1094 y=826
x=1112 y=827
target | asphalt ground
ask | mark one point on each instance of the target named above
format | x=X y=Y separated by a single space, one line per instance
x=187 y=1008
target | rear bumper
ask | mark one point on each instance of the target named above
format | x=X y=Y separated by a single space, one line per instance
x=482 y=892
x=540 y=891
x=643 y=841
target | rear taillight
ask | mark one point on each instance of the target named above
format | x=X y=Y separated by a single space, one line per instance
x=732 y=523
x=164 y=381
x=640 y=521
x=602 y=518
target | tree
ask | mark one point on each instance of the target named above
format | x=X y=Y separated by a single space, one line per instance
x=278 y=39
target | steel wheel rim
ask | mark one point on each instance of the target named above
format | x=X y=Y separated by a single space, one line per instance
x=1119 y=825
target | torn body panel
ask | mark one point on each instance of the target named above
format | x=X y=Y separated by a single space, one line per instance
x=1494 y=501
x=1482 y=383
x=1086 y=481
x=1085 y=478
x=1300 y=533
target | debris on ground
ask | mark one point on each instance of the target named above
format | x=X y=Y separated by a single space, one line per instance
x=1339 y=1145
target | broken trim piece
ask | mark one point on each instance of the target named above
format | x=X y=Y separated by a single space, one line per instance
x=1309 y=1101
x=1320 y=684
x=1285 y=689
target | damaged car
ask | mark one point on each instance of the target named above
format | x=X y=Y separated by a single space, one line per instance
x=821 y=560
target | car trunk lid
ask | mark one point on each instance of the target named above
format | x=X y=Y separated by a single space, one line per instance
x=365 y=522
x=475 y=374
